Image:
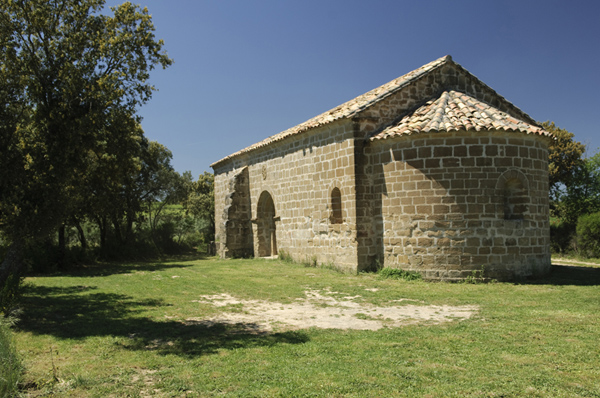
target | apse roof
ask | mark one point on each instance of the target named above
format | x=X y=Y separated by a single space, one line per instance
x=453 y=111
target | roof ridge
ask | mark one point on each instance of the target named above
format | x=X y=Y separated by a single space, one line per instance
x=453 y=79
x=502 y=99
x=348 y=108
x=404 y=81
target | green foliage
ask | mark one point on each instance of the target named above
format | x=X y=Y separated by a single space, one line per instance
x=72 y=80
x=579 y=198
x=588 y=235
x=9 y=295
x=561 y=235
x=565 y=155
x=200 y=203
x=574 y=187
x=285 y=257
x=310 y=262
x=396 y=273
x=11 y=368
x=76 y=76
x=476 y=276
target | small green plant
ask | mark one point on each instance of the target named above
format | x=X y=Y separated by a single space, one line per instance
x=476 y=276
x=285 y=256
x=396 y=273
x=310 y=262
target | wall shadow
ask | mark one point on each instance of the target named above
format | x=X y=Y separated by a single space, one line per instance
x=78 y=312
x=568 y=275
x=370 y=186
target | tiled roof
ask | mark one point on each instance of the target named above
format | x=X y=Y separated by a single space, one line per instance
x=347 y=109
x=453 y=111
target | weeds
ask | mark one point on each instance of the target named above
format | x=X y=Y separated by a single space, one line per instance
x=396 y=273
x=285 y=257
x=10 y=365
x=476 y=276
x=10 y=294
x=310 y=262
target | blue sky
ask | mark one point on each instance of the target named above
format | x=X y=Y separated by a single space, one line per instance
x=245 y=70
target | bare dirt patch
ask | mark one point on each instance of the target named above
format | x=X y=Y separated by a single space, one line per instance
x=326 y=310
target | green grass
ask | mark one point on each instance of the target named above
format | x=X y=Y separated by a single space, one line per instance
x=10 y=365
x=120 y=331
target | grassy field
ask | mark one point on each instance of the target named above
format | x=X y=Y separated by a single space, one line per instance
x=135 y=330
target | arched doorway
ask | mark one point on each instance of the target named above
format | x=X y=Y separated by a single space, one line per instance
x=267 y=237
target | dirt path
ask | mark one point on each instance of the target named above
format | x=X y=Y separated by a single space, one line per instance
x=320 y=309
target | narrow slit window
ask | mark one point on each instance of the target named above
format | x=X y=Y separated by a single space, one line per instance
x=336 y=206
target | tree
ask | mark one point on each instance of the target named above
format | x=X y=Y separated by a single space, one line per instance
x=565 y=158
x=201 y=202
x=69 y=73
x=574 y=185
x=582 y=195
x=161 y=184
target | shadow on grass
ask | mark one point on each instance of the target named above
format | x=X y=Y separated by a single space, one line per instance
x=125 y=267
x=78 y=312
x=569 y=275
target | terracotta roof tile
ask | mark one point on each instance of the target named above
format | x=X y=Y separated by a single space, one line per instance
x=453 y=111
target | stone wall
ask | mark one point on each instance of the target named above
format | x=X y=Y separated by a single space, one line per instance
x=301 y=175
x=236 y=215
x=449 y=204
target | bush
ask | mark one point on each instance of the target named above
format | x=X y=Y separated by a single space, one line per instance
x=10 y=365
x=588 y=235
x=561 y=236
x=396 y=273
x=9 y=295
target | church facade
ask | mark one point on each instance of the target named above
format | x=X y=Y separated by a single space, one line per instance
x=433 y=172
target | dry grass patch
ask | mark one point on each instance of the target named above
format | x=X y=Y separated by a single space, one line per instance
x=321 y=309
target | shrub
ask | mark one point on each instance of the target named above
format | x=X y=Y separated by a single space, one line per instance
x=9 y=295
x=561 y=236
x=10 y=365
x=285 y=256
x=396 y=273
x=588 y=235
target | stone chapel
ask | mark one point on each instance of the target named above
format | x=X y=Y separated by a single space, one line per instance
x=432 y=172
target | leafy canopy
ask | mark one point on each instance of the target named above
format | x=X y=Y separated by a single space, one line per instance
x=69 y=77
x=565 y=155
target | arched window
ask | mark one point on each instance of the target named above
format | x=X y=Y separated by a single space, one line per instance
x=512 y=190
x=336 y=206
x=514 y=199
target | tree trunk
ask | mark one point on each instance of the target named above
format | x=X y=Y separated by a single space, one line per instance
x=62 y=246
x=102 y=227
x=129 y=230
x=81 y=233
x=117 y=228
x=12 y=263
